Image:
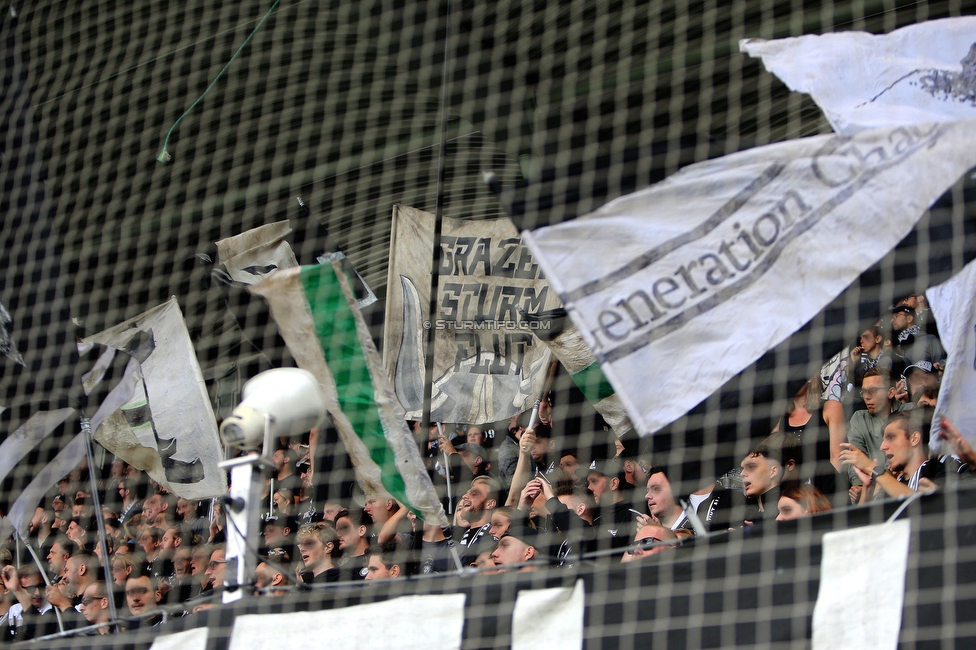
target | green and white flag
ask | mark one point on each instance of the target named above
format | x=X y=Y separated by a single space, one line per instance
x=318 y=318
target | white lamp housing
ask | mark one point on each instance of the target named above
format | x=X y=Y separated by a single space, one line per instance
x=288 y=399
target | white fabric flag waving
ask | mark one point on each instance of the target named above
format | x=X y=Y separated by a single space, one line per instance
x=158 y=418
x=679 y=287
x=954 y=305
x=921 y=73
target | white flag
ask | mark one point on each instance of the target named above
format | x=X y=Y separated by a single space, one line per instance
x=158 y=418
x=250 y=256
x=19 y=443
x=679 y=287
x=954 y=305
x=920 y=73
x=22 y=510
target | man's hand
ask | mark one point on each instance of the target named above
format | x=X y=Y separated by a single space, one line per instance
x=547 y=489
x=545 y=412
x=446 y=445
x=527 y=442
x=854 y=494
x=57 y=597
x=851 y=455
x=901 y=392
x=530 y=493
x=960 y=446
x=11 y=580
x=856 y=354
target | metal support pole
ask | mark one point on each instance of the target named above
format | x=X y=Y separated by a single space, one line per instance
x=86 y=431
x=242 y=510
x=438 y=218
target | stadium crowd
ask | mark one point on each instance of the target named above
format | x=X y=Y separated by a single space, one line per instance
x=522 y=501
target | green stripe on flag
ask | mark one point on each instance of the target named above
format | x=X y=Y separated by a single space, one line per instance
x=593 y=383
x=335 y=326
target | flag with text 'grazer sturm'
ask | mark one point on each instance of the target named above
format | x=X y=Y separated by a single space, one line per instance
x=954 y=306
x=158 y=416
x=318 y=317
x=921 y=73
x=567 y=344
x=679 y=287
x=487 y=365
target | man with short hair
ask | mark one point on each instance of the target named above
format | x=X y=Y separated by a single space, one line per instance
x=380 y=509
x=762 y=471
x=40 y=525
x=270 y=580
x=662 y=503
x=605 y=481
x=94 y=606
x=286 y=478
x=651 y=535
x=61 y=550
x=217 y=568
x=186 y=511
x=475 y=458
x=78 y=531
x=472 y=519
x=385 y=562
x=80 y=571
x=142 y=597
x=867 y=426
x=516 y=546
x=354 y=542
x=907 y=467
x=318 y=545
x=919 y=378
x=149 y=540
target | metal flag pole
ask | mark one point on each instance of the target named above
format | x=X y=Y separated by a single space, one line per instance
x=86 y=431
x=447 y=472
x=438 y=218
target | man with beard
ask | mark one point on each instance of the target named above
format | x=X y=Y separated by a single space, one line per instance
x=605 y=481
x=472 y=519
x=61 y=550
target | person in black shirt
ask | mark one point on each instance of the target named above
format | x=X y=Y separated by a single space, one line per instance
x=319 y=547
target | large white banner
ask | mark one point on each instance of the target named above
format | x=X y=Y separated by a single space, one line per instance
x=679 y=287
x=158 y=417
x=405 y=623
x=488 y=366
x=916 y=74
x=954 y=305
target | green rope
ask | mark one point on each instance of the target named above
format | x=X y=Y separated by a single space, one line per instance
x=164 y=156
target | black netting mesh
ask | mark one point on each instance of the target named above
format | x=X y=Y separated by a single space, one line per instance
x=570 y=104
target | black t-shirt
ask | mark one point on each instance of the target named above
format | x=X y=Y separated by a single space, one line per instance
x=329 y=575
x=354 y=568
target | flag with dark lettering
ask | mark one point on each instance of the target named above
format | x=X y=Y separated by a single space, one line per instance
x=680 y=286
x=924 y=72
x=488 y=366
x=158 y=416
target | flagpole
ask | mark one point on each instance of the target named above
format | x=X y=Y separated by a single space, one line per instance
x=438 y=217
x=86 y=431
